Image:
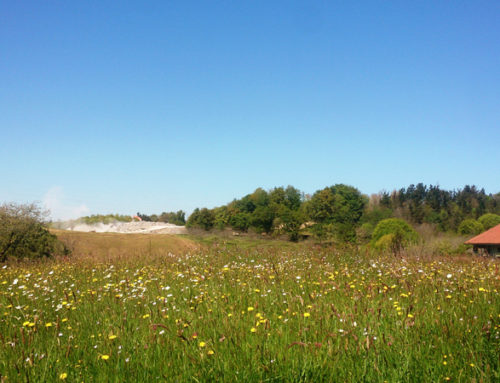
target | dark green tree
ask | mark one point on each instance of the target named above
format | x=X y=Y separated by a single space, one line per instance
x=203 y=219
x=23 y=233
x=340 y=207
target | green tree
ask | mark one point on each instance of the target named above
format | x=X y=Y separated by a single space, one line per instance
x=240 y=221
x=470 y=227
x=340 y=207
x=203 y=219
x=23 y=233
x=394 y=234
x=262 y=219
x=222 y=216
x=489 y=220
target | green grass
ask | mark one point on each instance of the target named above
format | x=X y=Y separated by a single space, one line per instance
x=243 y=311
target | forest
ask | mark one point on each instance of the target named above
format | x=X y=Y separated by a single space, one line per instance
x=342 y=213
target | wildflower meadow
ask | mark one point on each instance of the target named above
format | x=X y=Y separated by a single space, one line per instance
x=251 y=314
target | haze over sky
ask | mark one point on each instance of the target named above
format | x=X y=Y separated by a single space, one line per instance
x=109 y=106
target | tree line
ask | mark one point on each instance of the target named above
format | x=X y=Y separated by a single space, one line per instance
x=341 y=212
x=176 y=218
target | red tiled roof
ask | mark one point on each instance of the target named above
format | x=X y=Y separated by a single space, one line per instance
x=489 y=237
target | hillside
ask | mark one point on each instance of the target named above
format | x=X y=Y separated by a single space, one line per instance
x=120 y=245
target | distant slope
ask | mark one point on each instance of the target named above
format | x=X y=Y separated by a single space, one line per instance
x=110 y=245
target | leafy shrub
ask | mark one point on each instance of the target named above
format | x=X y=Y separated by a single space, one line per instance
x=394 y=234
x=203 y=219
x=23 y=233
x=489 y=220
x=364 y=232
x=445 y=248
x=240 y=221
x=177 y=218
x=108 y=218
x=470 y=227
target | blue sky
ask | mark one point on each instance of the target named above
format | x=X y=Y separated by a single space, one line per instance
x=122 y=107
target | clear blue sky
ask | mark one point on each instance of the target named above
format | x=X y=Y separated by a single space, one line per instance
x=111 y=106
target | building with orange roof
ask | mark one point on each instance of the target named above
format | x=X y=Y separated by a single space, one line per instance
x=487 y=243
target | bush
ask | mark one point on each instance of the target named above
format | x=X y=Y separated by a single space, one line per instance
x=240 y=221
x=470 y=227
x=203 y=219
x=394 y=234
x=489 y=220
x=23 y=234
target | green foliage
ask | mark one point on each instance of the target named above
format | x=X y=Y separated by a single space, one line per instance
x=394 y=234
x=489 y=220
x=445 y=247
x=340 y=212
x=23 y=234
x=204 y=219
x=262 y=219
x=240 y=221
x=442 y=208
x=470 y=227
x=105 y=218
x=222 y=217
x=176 y=218
x=341 y=206
x=376 y=214
x=291 y=221
x=364 y=232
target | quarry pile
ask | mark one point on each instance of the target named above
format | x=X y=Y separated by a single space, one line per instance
x=131 y=227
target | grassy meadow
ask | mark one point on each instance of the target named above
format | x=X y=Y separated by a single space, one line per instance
x=145 y=308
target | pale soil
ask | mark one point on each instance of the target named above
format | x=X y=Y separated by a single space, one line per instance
x=131 y=227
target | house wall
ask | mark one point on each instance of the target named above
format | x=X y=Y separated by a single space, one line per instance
x=494 y=251
x=487 y=250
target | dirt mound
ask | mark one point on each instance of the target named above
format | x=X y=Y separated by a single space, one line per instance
x=130 y=227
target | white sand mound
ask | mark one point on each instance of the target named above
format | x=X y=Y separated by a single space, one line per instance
x=131 y=227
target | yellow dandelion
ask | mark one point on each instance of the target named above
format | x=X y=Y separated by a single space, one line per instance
x=250 y=309
x=111 y=337
x=210 y=352
x=48 y=324
x=307 y=315
x=202 y=344
x=63 y=376
x=104 y=357
x=145 y=316
x=253 y=329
